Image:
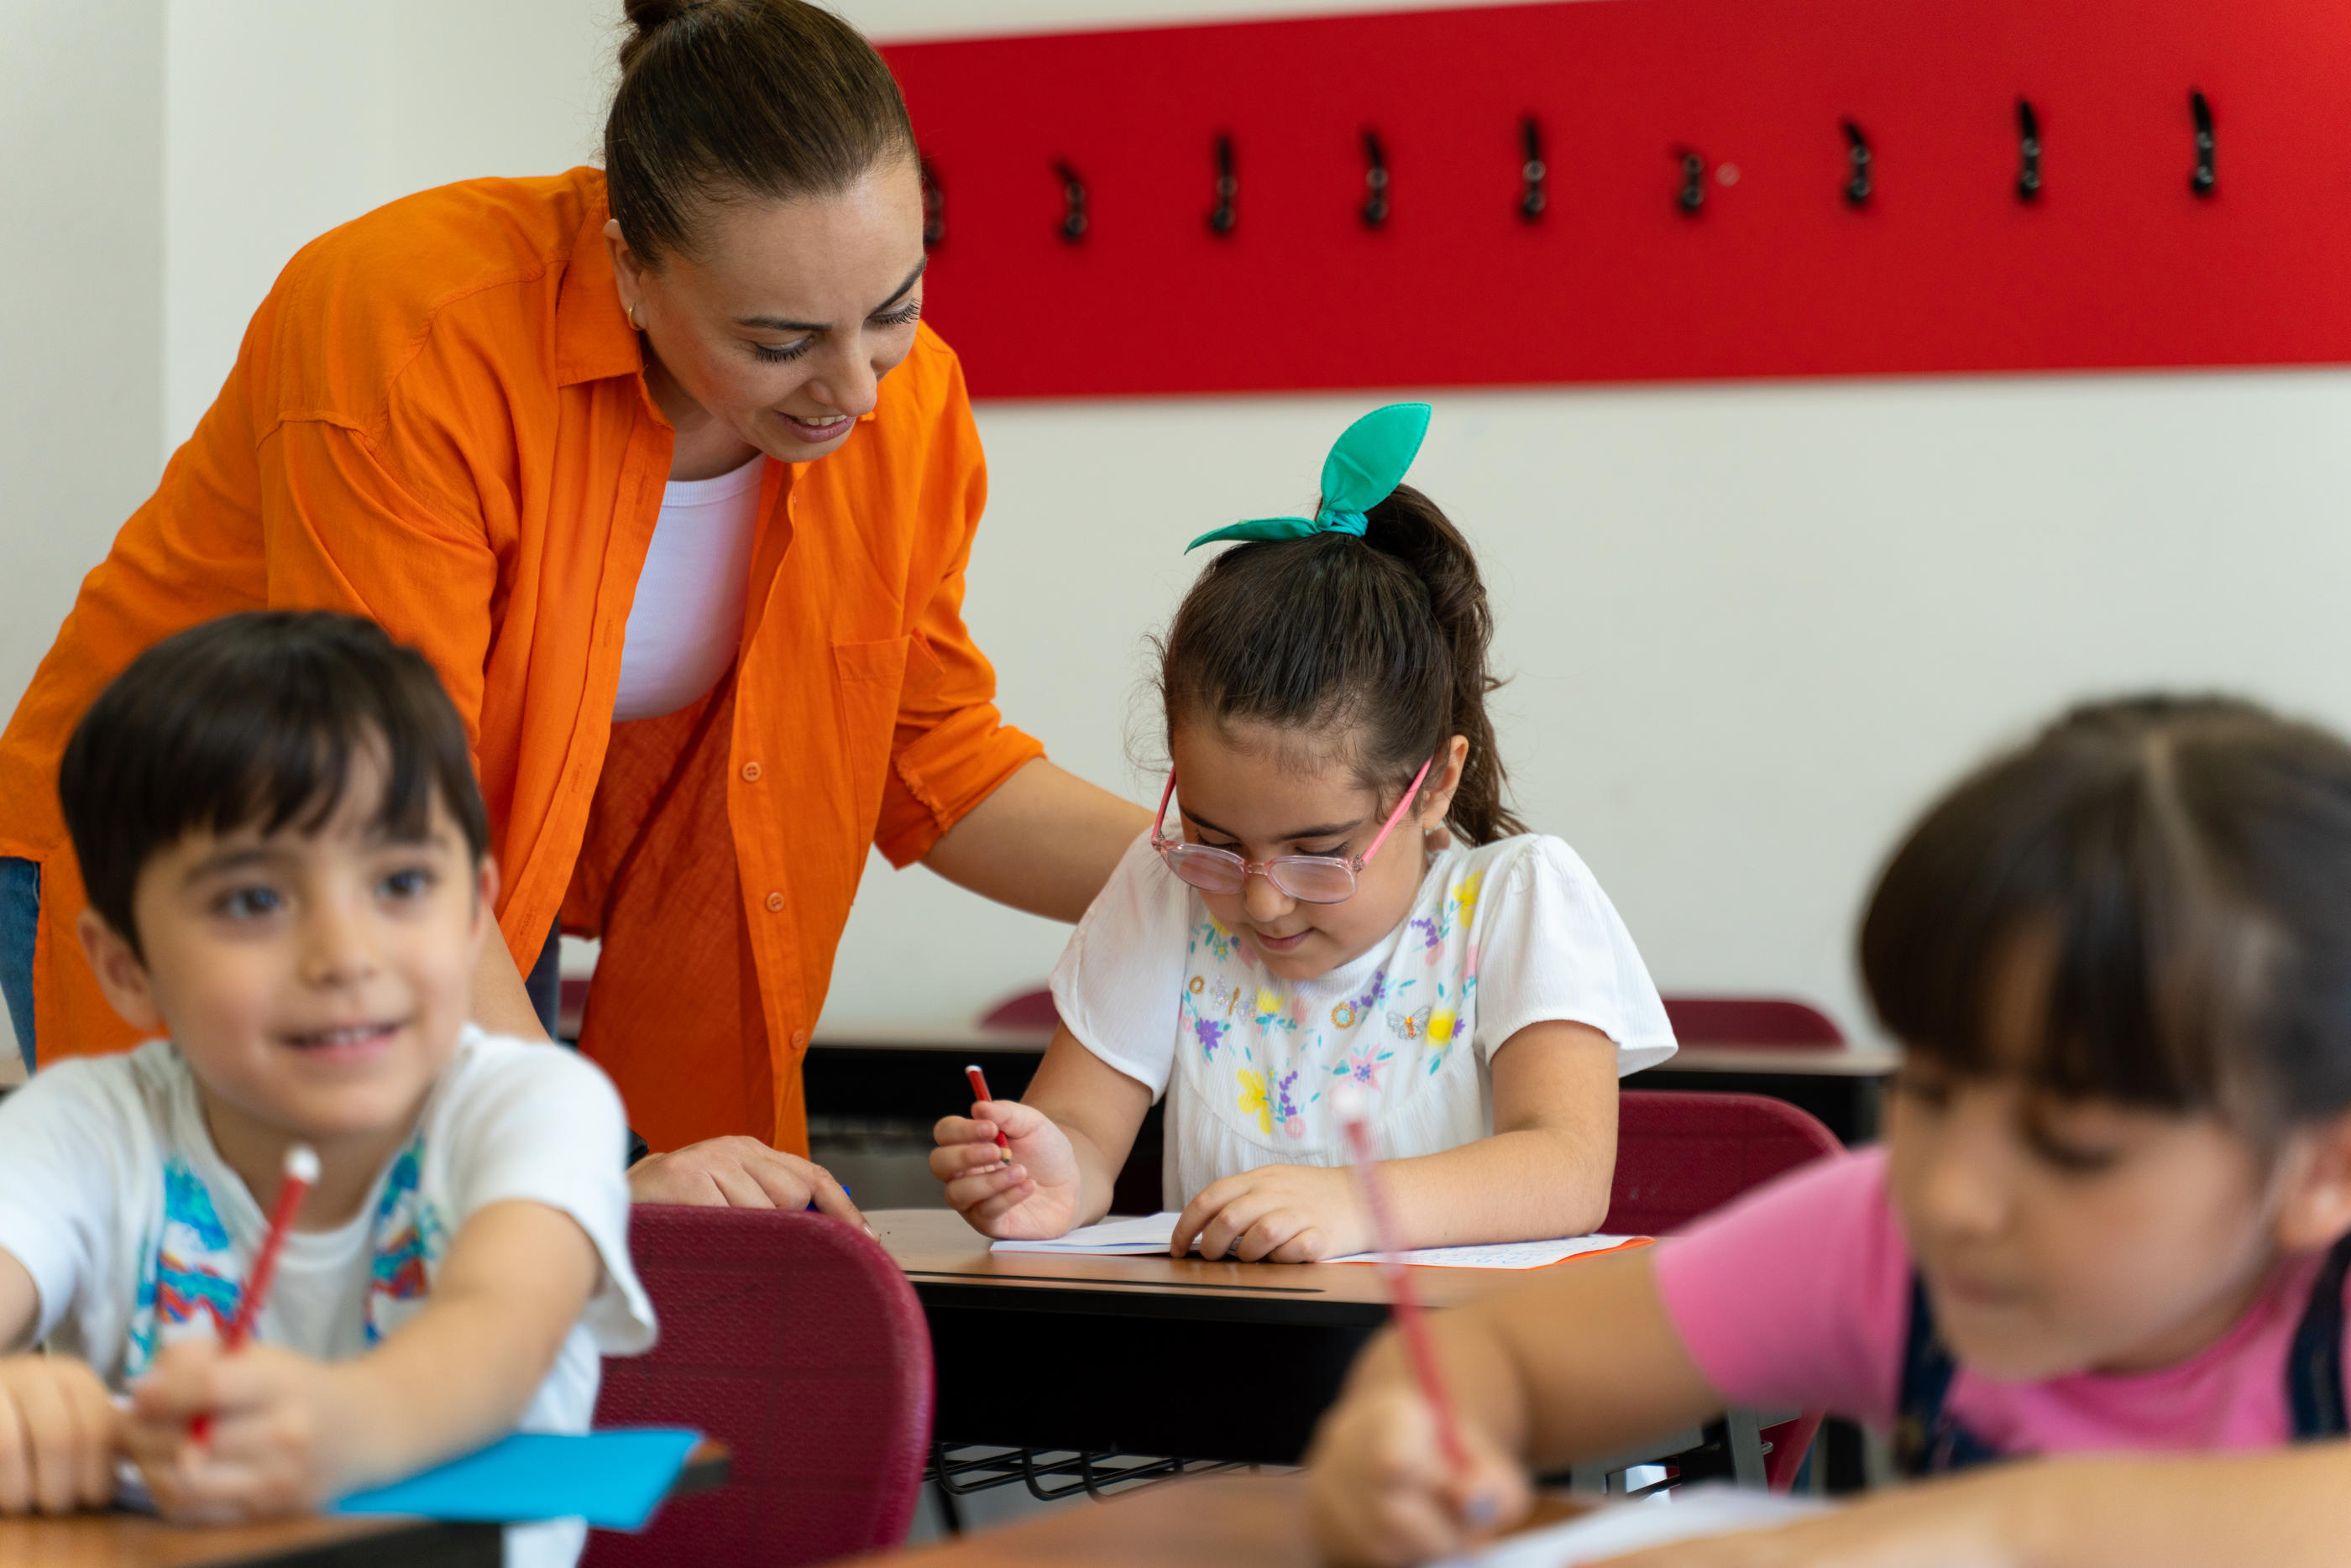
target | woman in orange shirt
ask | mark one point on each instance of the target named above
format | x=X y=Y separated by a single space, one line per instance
x=658 y=468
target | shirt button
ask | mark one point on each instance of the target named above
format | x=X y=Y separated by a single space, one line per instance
x=750 y=773
x=775 y=903
x=799 y=1039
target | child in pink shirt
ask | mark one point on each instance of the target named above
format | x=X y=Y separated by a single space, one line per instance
x=2105 y=1241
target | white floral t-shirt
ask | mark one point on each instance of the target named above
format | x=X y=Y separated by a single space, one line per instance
x=1500 y=937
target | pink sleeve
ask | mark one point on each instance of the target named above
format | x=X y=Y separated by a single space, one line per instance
x=1798 y=1294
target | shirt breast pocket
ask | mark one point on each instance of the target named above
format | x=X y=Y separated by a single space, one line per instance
x=867 y=680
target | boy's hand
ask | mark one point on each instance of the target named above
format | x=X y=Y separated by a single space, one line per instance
x=1380 y=1490
x=738 y=1172
x=285 y=1438
x=1029 y=1192
x=56 y=1436
x=1278 y=1214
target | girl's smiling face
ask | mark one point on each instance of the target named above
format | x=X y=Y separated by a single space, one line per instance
x=1264 y=792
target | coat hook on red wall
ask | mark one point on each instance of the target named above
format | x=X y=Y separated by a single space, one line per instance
x=1693 y=192
x=2028 y=151
x=1532 y=172
x=1074 y=221
x=2202 y=182
x=1856 y=162
x=1226 y=211
x=1375 y=211
x=935 y=208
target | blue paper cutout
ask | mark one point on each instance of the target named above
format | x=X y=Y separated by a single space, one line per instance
x=613 y=1479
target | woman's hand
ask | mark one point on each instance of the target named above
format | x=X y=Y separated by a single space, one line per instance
x=1278 y=1214
x=285 y=1437
x=1381 y=1492
x=56 y=1436
x=739 y=1173
x=1029 y=1193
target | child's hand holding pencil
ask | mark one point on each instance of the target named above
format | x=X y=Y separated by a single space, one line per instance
x=1009 y=1169
x=1397 y=1476
x=1384 y=1489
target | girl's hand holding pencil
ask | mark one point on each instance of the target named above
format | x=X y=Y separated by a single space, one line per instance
x=1025 y=1189
x=1384 y=1491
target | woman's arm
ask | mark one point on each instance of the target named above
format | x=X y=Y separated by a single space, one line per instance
x=1580 y=1362
x=1070 y=1137
x=1544 y=1172
x=1045 y=841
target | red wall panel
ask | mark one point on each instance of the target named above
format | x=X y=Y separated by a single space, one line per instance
x=1944 y=271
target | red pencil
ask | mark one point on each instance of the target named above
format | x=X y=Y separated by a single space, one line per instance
x=301 y=1174
x=979 y=1092
x=1410 y=1324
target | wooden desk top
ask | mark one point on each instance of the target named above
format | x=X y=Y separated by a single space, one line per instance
x=122 y=1540
x=940 y=1254
x=1230 y=1521
x=141 y=1540
x=1793 y=1061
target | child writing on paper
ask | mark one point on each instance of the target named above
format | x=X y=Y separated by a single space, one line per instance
x=2110 y=1214
x=286 y=860
x=1325 y=687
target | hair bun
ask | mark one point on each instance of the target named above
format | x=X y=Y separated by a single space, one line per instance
x=646 y=18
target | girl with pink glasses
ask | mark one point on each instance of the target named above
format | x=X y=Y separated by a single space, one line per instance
x=1341 y=896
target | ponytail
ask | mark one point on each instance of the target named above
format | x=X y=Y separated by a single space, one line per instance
x=1382 y=639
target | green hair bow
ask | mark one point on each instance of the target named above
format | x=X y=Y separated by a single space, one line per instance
x=1366 y=463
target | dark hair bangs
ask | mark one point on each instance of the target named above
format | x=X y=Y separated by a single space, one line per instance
x=259 y=719
x=2170 y=873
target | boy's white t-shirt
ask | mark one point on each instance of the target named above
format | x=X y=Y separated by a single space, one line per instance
x=1499 y=937
x=136 y=1233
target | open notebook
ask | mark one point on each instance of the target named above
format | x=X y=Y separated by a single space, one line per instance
x=1151 y=1233
x=1616 y=1528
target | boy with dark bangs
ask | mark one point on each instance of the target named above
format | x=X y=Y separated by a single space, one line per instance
x=285 y=855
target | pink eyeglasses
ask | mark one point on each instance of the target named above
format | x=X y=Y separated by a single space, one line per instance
x=1309 y=878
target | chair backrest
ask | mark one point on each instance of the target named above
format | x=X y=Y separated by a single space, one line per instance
x=1680 y=1154
x=1024 y=1010
x=794 y=1340
x=1750 y=1020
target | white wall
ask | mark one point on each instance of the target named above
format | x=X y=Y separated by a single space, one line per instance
x=82 y=290
x=286 y=117
x=1752 y=626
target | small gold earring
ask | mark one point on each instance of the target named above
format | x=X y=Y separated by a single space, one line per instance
x=634 y=325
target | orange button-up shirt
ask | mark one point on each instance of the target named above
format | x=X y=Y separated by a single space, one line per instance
x=439 y=419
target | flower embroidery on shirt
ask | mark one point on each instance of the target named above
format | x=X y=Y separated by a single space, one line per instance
x=1273 y=1013
x=1253 y=1101
x=1211 y=934
x=1363 y=1066
x=1345 y=1015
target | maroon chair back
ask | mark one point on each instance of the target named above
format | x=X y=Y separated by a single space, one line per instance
x=1750 y=1020
x=1026 y=1010
x=1681 y=1155
x=795 y=1341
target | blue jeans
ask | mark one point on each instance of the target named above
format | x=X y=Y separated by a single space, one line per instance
x=20 y=920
